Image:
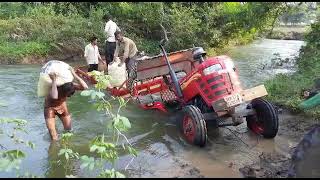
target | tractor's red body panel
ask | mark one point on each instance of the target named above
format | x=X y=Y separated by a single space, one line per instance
x=214 y=86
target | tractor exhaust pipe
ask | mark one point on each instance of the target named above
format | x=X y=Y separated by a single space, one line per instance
x=172 y=74
x=171 y=71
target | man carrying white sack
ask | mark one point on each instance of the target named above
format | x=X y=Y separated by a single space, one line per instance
x=127 y=51
x=58 y=86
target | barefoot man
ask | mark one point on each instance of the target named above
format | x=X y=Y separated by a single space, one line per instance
x=55 y=103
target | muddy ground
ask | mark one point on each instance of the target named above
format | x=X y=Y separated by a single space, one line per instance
x=275 y=165
x=255 y=157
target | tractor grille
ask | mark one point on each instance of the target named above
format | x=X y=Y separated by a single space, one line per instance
x=217 y=85
x=213 y=89
x=218 y=93
x=214 y=79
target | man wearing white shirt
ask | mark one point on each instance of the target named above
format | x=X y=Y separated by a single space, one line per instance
x=110 y=28
x=92 y=55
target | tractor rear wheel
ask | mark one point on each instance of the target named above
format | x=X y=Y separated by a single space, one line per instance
x=193 y=126
x=265 y=122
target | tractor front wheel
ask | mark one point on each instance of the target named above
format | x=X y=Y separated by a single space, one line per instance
x=265 y=122
x=193 y=126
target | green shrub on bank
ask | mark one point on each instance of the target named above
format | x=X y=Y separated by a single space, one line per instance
x=287 y=89
x=16 y=51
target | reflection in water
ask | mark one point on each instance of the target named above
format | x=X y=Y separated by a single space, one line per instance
x=162 y=150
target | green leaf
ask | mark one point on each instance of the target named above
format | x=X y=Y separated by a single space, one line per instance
x=21 y=129
x=66 y=156
x=132 y=151
x=31 y=145
x=93 y=95
x=87 y=162
x=100 y=94
x=99 y=106
x=4 y=163
x=75 y=155
x=15 y=154
x=121 y=101
x=62 y=151
x=119 y=175
x=125 y=122
x=7 y=164
x=102 y=138
x=86 y=93
x=101 y=149
x=93 y=148
x=67 y=135
x=19 y=122
x=108 y=105
x=116 y=120
x=110 y=125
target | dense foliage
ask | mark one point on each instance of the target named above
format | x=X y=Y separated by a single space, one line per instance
x=37 y=28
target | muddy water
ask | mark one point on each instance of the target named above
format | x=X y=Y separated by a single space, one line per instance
x=162 y=150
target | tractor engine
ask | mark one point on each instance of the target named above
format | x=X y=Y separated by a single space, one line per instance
x=216 y=79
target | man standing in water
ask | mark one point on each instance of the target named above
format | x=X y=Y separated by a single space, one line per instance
x=55 y=103
x=110 y=28
x=92 y=55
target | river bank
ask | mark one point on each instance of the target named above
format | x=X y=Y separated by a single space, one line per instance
x=287 y=89
x=288 y=33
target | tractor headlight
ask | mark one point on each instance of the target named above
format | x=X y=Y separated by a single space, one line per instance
x=212 y=69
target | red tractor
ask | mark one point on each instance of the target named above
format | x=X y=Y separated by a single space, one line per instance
x=204 y=89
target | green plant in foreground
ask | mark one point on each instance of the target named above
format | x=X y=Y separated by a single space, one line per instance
x=67 y=152
x=107 y=149
x=11 y=159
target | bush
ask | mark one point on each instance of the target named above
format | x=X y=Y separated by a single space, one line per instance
x=210 y=25
x=286 y=90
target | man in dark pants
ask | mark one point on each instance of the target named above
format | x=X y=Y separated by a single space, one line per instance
x=110 y=28
x=92 y=55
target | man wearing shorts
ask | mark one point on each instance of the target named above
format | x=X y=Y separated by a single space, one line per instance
x=55 y=103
